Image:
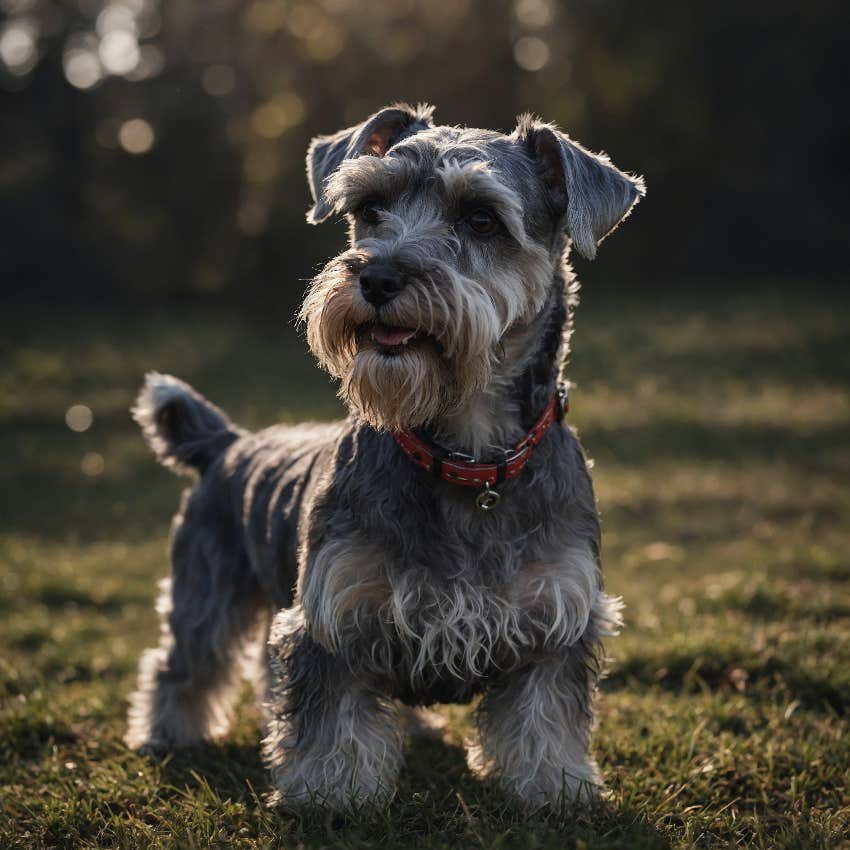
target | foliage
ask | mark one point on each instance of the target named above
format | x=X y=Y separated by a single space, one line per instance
x=153 y=147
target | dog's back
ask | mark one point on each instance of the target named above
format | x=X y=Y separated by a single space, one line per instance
x=251 y=487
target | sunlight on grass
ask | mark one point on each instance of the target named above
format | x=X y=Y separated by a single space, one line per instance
x=721 y=435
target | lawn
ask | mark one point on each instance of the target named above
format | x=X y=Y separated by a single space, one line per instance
x=720 y=427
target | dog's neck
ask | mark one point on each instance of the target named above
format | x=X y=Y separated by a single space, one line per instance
x=498 y=416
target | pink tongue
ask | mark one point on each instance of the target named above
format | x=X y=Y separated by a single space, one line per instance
x=386 y=335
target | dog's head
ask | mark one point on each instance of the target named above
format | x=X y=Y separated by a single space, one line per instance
x=456 y=237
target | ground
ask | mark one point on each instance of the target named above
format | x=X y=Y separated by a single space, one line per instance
x=720 y=426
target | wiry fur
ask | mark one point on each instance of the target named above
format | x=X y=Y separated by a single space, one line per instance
x=184 y=430
x=391 y=586
x=338 y=746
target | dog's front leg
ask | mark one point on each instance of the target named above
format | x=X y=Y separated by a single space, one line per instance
x=333 y=739
x=534 y=731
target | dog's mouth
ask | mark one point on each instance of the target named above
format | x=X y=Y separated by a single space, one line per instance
x=392 y=340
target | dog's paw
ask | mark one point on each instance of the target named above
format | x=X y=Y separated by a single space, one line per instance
x=294 y=799
x=152 y=750
x=547 y=794
x=147 y=746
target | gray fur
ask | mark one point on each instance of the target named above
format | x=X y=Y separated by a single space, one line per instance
x=184 y=430
x=595 y=195
x=390 y=586
x=374 y=135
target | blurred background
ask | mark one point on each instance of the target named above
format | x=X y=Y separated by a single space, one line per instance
x=154 y=150
x=152 y=202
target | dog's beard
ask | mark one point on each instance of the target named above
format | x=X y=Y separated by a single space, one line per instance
x=399 y=391
x=450 y=358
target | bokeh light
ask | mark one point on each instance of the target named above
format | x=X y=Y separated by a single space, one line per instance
x=119 y=51
x=115 y=16
x=272 y=118
x=534 y=14
x=151 y=62
x=265 y=16
x=136 y=136
x=92 y=464
x=79 y=418
x=230 y=92
x=531 y=53
x=18 y=46
x=82 y=68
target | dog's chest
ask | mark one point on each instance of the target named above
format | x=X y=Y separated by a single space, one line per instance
x=435 y=637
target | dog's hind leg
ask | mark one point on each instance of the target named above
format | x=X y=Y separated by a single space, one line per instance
x=333 y=738
x=214 y=627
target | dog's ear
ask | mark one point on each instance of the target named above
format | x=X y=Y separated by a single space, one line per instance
x=374 y=137
x=593 y=194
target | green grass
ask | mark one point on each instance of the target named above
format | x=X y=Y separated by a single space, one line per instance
x=720 y=425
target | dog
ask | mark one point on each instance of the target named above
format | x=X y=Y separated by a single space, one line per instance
x=440 y=544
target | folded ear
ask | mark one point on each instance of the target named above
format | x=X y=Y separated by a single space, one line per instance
x=374 y=137
x=593 y=194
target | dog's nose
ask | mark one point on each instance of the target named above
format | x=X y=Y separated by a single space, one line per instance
x=380 y=283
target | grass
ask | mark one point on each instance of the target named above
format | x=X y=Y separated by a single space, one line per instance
x=720 y=425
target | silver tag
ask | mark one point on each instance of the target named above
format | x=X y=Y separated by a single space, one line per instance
x=487 y=499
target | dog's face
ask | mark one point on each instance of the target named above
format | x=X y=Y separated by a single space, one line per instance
x=456 y=236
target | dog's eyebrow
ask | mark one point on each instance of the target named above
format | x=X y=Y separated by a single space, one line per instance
x=366 y=177
x=478 y=181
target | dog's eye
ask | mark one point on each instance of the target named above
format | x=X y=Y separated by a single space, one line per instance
x=483 y=222
x=369 y=212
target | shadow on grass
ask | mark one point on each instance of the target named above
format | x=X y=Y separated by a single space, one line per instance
x=766 y=605
x=792 y=366
x=709 y=670
x=671 y=439
x=29 y=739
x=702 y=334
x=60 y=597
x=702 y=519
x=229 y=769
x=438 y=801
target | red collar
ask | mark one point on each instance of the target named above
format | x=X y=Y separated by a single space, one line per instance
x=450 y=466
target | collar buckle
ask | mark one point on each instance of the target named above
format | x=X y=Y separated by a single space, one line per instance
x=461 y=456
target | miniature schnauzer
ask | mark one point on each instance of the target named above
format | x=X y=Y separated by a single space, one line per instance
x=443 y=542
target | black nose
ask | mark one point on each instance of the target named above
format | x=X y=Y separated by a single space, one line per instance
x=380 y=283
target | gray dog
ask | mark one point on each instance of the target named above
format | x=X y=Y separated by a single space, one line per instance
x=443 y=541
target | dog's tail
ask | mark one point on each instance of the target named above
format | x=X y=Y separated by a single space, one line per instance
x=186 y=432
